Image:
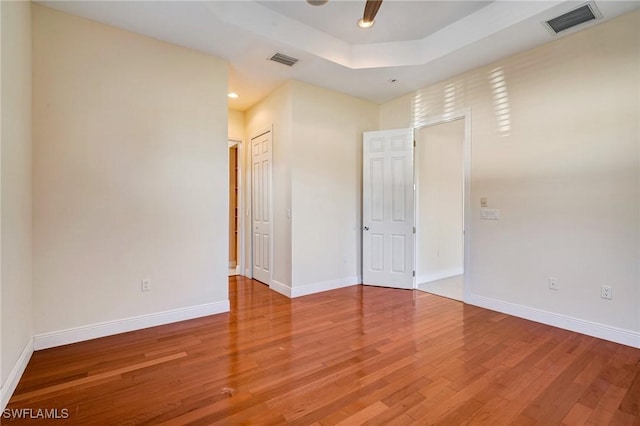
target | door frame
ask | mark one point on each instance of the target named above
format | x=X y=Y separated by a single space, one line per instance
x=239 y=144
x=464 y=114
x=249 y=254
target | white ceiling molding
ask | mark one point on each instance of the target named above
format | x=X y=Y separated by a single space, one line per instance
x=489 y=20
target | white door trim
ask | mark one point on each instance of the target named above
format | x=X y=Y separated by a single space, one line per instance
x=466 y=159
x=249 y=253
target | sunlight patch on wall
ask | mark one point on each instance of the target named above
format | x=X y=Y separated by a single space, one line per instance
x=449 y=101
x=443 y=101
x=423 y=105
x=500 y=101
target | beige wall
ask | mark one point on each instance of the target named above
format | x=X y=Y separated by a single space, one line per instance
x=555 y=138
x=326 y=186
x=130 y=174
x=15 y=282
x=236 y=125
x=274 y=111
x=317 y=174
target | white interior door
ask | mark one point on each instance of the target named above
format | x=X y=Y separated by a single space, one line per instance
x=388 y=209
x=261 y=206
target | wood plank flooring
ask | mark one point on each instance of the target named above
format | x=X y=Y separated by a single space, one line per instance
x=358 y=355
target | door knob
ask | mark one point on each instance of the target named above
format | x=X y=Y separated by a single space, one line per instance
x=366 y=228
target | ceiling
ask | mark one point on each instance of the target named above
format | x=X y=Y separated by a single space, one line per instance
x=399 y=20
x=412 y=43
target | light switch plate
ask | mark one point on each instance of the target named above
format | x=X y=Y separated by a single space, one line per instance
x=490 y=214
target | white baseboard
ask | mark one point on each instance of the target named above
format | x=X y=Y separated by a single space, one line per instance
x=602 y=331
x=304 y=290
x=427 y=278
x=280 y=288
x=108 y=328
x=9 y=386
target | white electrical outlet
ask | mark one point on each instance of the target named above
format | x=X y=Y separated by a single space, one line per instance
x=605 y=292
x=145 y=285
x=553 y=284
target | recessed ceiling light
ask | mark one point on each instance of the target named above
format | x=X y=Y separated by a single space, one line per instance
x=365 y=24
x=233 y=95
x=317 y=2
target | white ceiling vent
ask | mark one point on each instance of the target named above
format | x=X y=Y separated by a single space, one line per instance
x=578 y=16
x=283 y=59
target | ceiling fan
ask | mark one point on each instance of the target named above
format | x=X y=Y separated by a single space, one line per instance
x=370 y=11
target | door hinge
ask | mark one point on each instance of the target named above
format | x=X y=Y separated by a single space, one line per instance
x=414 y=143
x=414 y=273
x=414 y=229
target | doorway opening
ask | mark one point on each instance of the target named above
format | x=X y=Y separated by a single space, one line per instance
x=235 y=208
x=441 y=197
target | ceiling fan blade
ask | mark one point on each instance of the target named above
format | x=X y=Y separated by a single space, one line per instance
x=370 y=10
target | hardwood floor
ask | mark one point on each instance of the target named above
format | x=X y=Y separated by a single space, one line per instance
x=358 y=355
